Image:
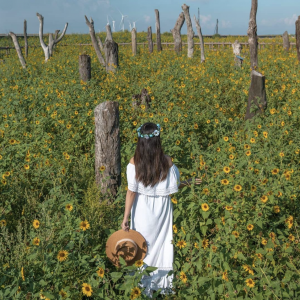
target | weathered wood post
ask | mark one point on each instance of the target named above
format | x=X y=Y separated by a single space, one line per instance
x=142 y=98
x=107 y=147
x=297 y=23
x=111 y=52
x=149 y=38
x=200 y=38
x=85 y=67
x=18 y=49
x=176 y=33
x=190 y=32
x=257 y=99
x=252 y=34
x=237 y=47
x=133 y=41
x=286 y=41
x=158 y=38
x=25 y=38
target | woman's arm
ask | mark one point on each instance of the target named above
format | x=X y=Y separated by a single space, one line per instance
x=184 y=183
x=130 y=197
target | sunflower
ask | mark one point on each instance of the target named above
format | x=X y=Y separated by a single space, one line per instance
x=36 y=224
x=136 y=292
x=235 y=233
x=2 y=223
x=259 y=255
x=166 y=120
x=196 y=245
x=252 y=140
x=250 y=282
x=224 y=276
x=231 y=156
x=237 y=188
x=250 y=227
x=204 y=207
x=291 y=237
x=272 y=235
x=175 y=228
x=177 y=142
x=248 y=153
x=36 y=241
x=264 y=241
x=102 y=168
x=264 y=198
x=174 y=200
x=181 y=244
x=63 y=293
x=265 y=134
x=139 y=263
x=281 y=154
x=100 y=272
x=225 y=138
x=22 y=273
x=218 y=149
x=205 y=243
x=214 y=248
x=228 y=207
x=84 y=225
x=183 y=277
x=87 y=289
x=276 y=209
x=289 y=221
x=62 y=255
x=224 y=181
x=246 y=147
x=226 y=169
x=275 y=171
x=69 y=207
x=253 y=188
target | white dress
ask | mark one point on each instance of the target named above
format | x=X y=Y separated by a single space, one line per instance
x=152 y=216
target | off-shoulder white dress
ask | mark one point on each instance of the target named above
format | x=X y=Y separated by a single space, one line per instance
x=152 y=216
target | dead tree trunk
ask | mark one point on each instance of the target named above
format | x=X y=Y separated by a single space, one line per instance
x=190 y=32
x=286 y=41
x=25 y=38
x=257 y=99
x=18 y=49
x=237 y=47
x=200 y=38
x=111 y=52
x=252 y=34
x=107 y=147
x=158 y=39
x=100 y=43
x=149 y=38
x=133 y=41
x=142 y=98
x=48 y=49
x=85 y=67
x=298 y=37
x=94 y=42
x=176 y=33
x=51 y=39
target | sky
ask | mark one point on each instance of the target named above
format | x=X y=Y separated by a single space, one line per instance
x=273 y=16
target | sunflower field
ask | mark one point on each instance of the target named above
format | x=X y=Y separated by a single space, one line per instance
x=235 y=236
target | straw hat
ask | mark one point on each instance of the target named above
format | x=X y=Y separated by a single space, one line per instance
x=131 y=245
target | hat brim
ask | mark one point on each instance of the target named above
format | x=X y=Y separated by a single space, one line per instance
x=122 y=234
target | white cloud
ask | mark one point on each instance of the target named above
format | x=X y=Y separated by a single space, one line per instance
x=290 y=20
x=147 y=18
x=225 y=24
x=204 y=19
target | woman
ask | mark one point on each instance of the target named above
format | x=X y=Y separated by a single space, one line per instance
x=152 y=177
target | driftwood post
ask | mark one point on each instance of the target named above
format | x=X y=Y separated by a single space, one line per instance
x=158 y=39
x=237 y=47
x=149 y=38
x=85 y=67
x=142 y=98
x=176 y=33
x=94 y=42
x=252 y=34
x=25 y=38
x=297 y=23
x=257 y=100
x=190 y=32
x=48 y=49
x=286 y=41
x=200 y=38
x=19 y=52
x=111 y=52
x=133 y=41
x=107 y=147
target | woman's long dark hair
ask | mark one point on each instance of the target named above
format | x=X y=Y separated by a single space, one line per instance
x=150 y=162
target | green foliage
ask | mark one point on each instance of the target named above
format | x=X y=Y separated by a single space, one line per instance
x=249 y=228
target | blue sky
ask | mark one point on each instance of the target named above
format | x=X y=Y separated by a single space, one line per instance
x=273 y=16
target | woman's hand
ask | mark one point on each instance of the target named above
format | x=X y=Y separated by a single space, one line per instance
x=124 y=225
x=197 y=180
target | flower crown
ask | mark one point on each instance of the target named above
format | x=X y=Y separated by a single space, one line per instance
x=146 y=136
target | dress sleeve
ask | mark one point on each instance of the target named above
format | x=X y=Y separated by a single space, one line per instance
x=177 y=175
x=132 y=183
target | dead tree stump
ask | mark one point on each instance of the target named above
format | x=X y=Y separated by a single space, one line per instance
x=237 y=47
x=257 y=99
x=85 y=67
x=107 y=147
x=200 y=38
x=149 y=38
x=18 y=49
x=111 y=55
x=176 y=33
x=298 y=37
x=158 y=38
x=190 y=32
x=25 y=38
x=286 y=41
x=133 y=41
x=252 y=34
x=142 y=98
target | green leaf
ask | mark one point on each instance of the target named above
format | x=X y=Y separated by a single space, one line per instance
x=203 y=229
x=150 y=269
x=116 y=275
